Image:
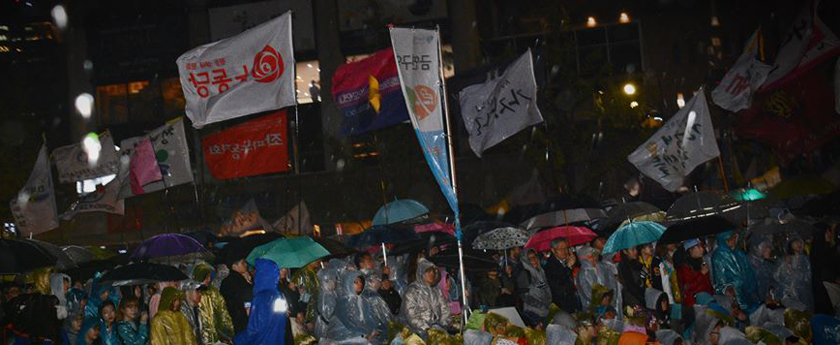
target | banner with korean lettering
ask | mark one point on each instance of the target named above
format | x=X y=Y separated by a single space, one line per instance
x=34 y=207
x=684 y=142
x=172 y=153
x=499 y=108
x=73 y=162
x=418 y=64
x=252 y=148
x=246 y=74
x=737 y=87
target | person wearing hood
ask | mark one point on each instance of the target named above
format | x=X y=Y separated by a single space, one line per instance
x=133 y=327
x=108 y=327
x=349 y=321
x=533 y=289
x=268 y=320
x=72 y=326
x=693 y=274
x=732 y=269
x=377 y=314
x=59 y=285
x=592 y=272
x=824 y=256
x=89 y=332
x=761 y=260
x=190 y=306
x=424 y=306
x=325 y=304
x=657 y=302
x=794 y=276
x=99 y=293
x=216 y=322
x=169 y=326
x=75 y=298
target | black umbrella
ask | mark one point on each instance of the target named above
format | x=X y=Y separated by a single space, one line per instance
x=474 y=260
x=704 y=204
x=335 y=247
x=379 y=234
x=426 y=241
x=695 y=228
x=142 y=273
x=563 y=217
x=239 y=248
x=79 y=255
x=21 y=256
x=63 y=261
x=628 y=210
x=785 y=223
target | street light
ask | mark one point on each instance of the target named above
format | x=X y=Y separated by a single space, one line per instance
x=634 y=104
x=624 y=18
x=630 y=89
x=680 y=100
x=590 y=22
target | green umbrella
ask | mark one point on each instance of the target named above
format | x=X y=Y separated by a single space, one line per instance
x=743 y=194
x=292 y=252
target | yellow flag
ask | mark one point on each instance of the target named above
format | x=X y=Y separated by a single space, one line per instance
x=373 y=93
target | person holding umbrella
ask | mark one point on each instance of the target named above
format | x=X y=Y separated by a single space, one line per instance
x=693 y=274
x=630 y=273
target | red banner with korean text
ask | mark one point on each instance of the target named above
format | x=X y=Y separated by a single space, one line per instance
x=256 y=147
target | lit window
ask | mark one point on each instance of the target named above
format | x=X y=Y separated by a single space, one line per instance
x=308 y=79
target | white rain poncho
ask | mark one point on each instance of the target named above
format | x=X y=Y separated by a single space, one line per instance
x=794 y=276
x=377 y=313
x=599 y=273
x=424 y=306
x=537 y=298
x=57 y=290
x=347 y=324
x=328 y=283
x=764 y=269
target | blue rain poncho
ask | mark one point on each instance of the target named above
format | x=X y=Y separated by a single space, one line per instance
x=267 y=322
x=87 y=324
x=763 y=268
x=794 y=276
x=732 y=269
x=95 y=299
x=350 y=321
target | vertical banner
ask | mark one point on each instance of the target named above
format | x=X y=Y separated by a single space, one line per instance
x=34 y=207
x=418 y=65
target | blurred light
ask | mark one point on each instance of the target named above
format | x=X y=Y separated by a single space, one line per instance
x=624 y=17
x=88 y=65
x=657 y=118
x=692 y=117
x=280 y=305
x=122 y=251
x=680 y=100
x=716 y=41
x=747 y=194
x=629 y=89
x=715 y=21
x=101 y=247
x=84 y=104
x=59 y=16
x=309 y=65
x=634 y=104
x=590 y=22
x=92 y=147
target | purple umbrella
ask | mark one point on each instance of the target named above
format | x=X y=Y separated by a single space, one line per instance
x=171 y=248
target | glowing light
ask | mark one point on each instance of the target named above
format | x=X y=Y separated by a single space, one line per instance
x=657 y=118
x=680 y=100
x=624 y=17
x=92 y=147
x=630 y=89
x=280 y=305
x=634 y=104
x=591 y=22
x=715 y=21
x=59 y=16
x=84 y=105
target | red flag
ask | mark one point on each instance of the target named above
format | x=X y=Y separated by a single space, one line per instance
x=144 y=166
x=252 y=148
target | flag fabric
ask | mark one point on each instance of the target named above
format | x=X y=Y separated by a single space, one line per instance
x=837 y=86
x=73 y=164
x=34 y=207
x=246 y=218
x=104 y=199
x=501 y=107
x=256 y=147
x=296 y=221
x=368 y=94
x=143 y=166
x=249 y=73
x=418 y=63
x=737 y=87
x=684 y=142
x=808 y=42
x=171 y=152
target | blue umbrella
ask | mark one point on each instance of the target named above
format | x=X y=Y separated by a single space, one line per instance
x=398 y=211
x=379 y=234
x=634 y=234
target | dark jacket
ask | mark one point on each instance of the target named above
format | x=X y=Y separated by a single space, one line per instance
x=630 y=274
x=236 y=291
x=562 y=285
x=392 y=298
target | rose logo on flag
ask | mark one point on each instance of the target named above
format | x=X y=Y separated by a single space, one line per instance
x=424 y=100
x=268 y=65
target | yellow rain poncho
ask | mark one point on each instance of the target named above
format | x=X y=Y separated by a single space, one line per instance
x=171 y=327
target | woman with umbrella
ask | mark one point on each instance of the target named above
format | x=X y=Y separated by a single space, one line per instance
x=794 y=275
x=532 y=288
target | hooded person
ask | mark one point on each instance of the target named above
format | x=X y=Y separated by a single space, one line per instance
x=170 y=326
x=268 y=318
x=657 y=302
x=378 y=313
x=325 y=304
x=89 y=332
x=72 y=326
x=794 y=276
x=533 y=289
x=99 y=293
x=424 y=306
x=350 y=319
x=594 y=272
x=761 y=261
x=59 y=285
x=216 y=321
x=732 y=268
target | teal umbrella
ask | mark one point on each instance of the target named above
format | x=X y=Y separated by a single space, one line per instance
x=292 y=252
x=398 y=211
x=633 y=234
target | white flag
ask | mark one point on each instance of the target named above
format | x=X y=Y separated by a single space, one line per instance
x=741 y=81
x=684 y=142
x=246 y=218
x=34 y=208
x=73 y=164
x=104 y=199
x=296 y=221
x=499 y=108
x=245 y=74
x=172 y=153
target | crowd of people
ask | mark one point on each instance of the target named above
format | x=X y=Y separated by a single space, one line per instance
x=730 y=288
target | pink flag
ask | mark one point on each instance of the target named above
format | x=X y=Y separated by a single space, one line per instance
x=144 y=166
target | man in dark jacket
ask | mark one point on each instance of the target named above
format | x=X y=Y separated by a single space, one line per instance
x=238 y=289
x=630 y=275
x=391 y=296
x=559 y=271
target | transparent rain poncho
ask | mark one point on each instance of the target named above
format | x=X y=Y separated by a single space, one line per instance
x=600 y=274
x=377 y=313
x=348 y=323
x=424 y=306
x=328 y=283
x=794 y=276
x=731 y=267
x=764 y=269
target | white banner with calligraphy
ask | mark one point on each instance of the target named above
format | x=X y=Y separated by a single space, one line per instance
x=249 y=73
x=684 y=142
x=499 y=108
x=172 y=153
x=73 y=164
x=737 y=87
x=34 y=207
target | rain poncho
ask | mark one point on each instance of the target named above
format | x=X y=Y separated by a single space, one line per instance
x=325 y=304
x=267 y=322
x=215 y=320
x=74 y=299
x=424 y=306
x=533 y=288
x=95 y=297
x=87 y=324
x=732 y=268
x=763 y=268
x=57 y=290
x=307 y=280
x=652 y=302
x=354 y=318
x=588 y=276
x=108 y=335
x=794 y=276
x=130 y=333
x=377 y=313
x=826 y=329
x=170 y=327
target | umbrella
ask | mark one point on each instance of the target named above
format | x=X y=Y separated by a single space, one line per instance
x=142 y=273
x=563 y=217
x=435 y=227
x=703 y=204
x=398 y=211
x=501 y=239
x=474 y=260
x=379 y=234
x=784 y=223
x=633 y=234
x=475 y=229
x=21 y=257
x=292 y=252
x=171 y=248
x=426 y=241
x=628 y=210
x=695 y=228
x=63 y=261
x=335 y=247
x=801 y=186
x=79 y=255
x=541 y=241
x=239 y=248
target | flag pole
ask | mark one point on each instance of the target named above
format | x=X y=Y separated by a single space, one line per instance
x=453 y=181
